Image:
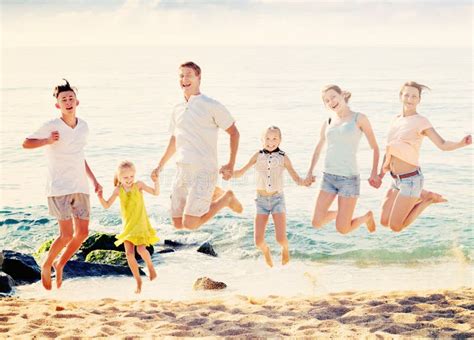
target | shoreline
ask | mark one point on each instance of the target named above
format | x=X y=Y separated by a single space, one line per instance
x=421 y=313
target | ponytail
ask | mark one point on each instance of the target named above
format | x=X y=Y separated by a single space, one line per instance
x=347 y=95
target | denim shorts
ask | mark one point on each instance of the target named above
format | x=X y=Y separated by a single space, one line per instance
x=345 y=186
x=267 y=205
x=410 y=186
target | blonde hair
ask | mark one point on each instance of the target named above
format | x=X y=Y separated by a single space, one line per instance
x=346 y=94
x=418 y=86
x=122 y=166
x=272 y=128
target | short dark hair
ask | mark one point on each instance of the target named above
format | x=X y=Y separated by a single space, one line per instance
x=193 y=65
x=63 y=88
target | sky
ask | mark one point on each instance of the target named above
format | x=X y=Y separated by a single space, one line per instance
x=236 y=23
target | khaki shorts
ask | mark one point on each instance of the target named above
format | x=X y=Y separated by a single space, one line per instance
x=192 y=191
x=68 y=206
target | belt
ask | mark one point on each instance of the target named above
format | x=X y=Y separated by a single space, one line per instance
x=409 y=174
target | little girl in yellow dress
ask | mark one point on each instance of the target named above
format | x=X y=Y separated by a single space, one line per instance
x=137 y=230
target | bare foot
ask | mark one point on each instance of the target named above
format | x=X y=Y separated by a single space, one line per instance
x=59 y=274
x=437 y=198
x=268 y=256
x=218 y=192
x=152 y=273
x=139 y=286
x=46 y=277
x=285 y=256
x=432 y=196
x=370 y=222
x=234 y=203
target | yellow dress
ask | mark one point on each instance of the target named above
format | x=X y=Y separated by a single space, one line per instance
x=136 y=226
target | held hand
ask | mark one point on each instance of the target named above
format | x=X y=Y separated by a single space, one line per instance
x=155 y=173
x=467 y=140
x=309 y=180
x=227 y=171
x=375 y=181
x=53 y=137
x=98 y=188
x=154 y=176
x=99 y=194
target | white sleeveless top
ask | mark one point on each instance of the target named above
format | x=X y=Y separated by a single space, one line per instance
x=269 y=170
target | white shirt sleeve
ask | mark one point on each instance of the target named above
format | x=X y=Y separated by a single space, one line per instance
x=222 y=116
x=43 y=132
x=172 y=125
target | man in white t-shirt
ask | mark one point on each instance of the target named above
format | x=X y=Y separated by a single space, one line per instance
x=66 y=187
x=194 y=127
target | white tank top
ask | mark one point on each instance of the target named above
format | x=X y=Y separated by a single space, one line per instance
x=269 y=170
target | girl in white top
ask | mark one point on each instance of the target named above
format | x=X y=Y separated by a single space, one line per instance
x=341 y=178
x=406 y=199
x=270 y=163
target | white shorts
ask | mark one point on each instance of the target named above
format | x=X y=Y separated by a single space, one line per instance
x=192 y=191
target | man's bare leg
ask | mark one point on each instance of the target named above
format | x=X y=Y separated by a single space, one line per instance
x=227 y=200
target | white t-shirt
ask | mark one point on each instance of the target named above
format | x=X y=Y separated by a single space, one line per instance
x=195 y=125
x=66 y=161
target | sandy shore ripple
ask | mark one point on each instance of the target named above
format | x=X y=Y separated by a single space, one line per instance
x=441 y=313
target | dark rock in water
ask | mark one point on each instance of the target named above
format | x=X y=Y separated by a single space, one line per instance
x=175 y=244
x=105 y=242
x=21 y=267
x=205 y=283
x=84 y=269
x=1 y=260
x=164 y=251
x=206 y=248
x=6 y=283
x=113 y=257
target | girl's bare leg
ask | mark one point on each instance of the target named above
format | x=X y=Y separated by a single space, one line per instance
x=406 y=209
x=321 y=214
x=280 y=233
x=147 y=258
x=132 y=263
x=387 y=206
x=259 y=237
x=345 y=210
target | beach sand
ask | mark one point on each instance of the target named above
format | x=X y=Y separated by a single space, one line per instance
x=435 y=313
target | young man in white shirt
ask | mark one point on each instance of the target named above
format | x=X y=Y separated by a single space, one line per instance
x=194 y=127
x=67 y=188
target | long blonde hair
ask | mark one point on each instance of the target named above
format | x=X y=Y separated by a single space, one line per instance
x=122 y=166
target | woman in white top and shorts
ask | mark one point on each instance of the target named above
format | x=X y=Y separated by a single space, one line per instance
x=341 y=177
x=406 y=199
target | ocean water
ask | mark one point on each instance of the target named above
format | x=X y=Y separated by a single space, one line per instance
x=126 y=96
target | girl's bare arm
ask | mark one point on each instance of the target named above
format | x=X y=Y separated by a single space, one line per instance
x=107 y=203
x=294 y=175
x=446 y=145
x=317 y=150
x=155 y=190
x=239 y=173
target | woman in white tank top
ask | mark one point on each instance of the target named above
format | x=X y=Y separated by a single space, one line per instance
x=270 y=163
